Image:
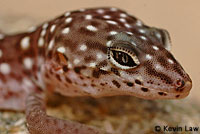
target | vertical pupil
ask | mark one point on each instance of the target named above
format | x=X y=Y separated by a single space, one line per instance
x=125 y=58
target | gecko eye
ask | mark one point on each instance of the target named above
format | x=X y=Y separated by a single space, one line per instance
x=123 y=58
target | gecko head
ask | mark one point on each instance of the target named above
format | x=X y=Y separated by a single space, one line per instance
x=112 y=53
x=144 y=63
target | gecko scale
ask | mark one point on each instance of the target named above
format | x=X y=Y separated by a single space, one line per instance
x=89 y=52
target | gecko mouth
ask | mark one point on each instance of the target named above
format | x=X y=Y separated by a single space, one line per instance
x=173 y=93
x=163 y=95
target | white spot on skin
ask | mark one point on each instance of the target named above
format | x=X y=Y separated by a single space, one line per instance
x=41 y=42
x=105 y=68
x=130 y=33
x=123 y=15
x=148 y=57
x=122 y=20
x=111 y=22
x=69 y=65
x=113 y=33
x=143 y=37
x=66 y=30
x=4 y=68
x=133 y=43
x=76 y=61
x=142 y=31
x=127 y=25
x=92 y=64
x=61 y=49
x=91 y=28
x=67 y=14
x=1 y=53
x=25 y=43
x=106 y=16
x=52 y=28
x=99 y=56
x=155 y=48
x=108 y=43
x=101 y=11
x=113 y=9
x=45 y=25
x=170 y=61
x=32 y=29
x=83 y=47
x=82 y=10
x=88 y=17
x=28 y=63
x=158 y=35
x=1 y=36
x=51 y=43
x=138 y=23
x=158 y=67
x=68 y=20
x=43 y=32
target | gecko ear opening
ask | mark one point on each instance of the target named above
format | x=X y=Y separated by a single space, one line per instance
x=166 y=40
x=163 y=37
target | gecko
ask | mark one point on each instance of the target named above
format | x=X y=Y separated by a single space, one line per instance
x=93 y=52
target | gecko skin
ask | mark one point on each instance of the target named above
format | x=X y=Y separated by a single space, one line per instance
x=89 y=52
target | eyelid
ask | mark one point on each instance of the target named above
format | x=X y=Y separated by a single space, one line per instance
x=130 y=53
x=126 y=47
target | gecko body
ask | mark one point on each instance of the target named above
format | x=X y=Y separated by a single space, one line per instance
x=89 y=52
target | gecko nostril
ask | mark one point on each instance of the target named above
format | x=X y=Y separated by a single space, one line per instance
x=179 y=84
